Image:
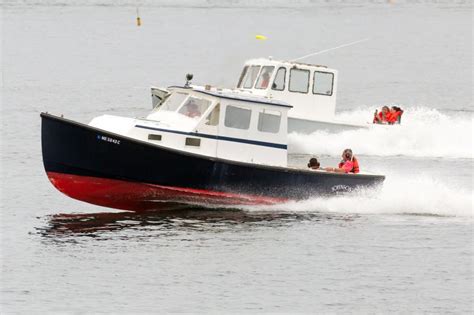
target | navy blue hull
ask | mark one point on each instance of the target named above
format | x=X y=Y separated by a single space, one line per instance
x=77 y=149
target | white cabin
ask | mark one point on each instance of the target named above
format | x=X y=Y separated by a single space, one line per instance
x=213 y=123
x=311 y=89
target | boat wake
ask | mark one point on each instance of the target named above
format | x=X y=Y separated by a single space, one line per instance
x=424 y=133
x=399 y=195
x=420 y=196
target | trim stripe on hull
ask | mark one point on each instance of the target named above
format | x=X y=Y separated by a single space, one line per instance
x=216 y=137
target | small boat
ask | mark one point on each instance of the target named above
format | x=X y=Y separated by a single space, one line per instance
x=200 y=146
x=311 y=89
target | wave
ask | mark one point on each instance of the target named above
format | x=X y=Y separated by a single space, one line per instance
x=424 y=132
x=399 y=195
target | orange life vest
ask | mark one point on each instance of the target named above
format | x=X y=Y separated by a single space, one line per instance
x=392 y=117
x=395 y=118
x=355 y=166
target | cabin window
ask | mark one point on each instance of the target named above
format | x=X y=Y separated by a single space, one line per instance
x=237 y=117
x=264 y=78
x=194 y=107
x=323 y=83
x=173 y=101
x=279 y=82
x=193 y=142
x=242 y=75
x=213 y=117
x=154 y=137
x=251 y=76
x=269 y=121
x=299 y=80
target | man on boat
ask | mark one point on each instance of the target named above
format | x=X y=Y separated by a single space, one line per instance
x=265 y=80
x=349 y=164
x=192 y=110
x=314 y=164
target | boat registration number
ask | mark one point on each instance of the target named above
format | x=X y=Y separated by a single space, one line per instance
x=108 y=139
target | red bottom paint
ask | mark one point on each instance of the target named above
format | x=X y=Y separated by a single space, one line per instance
x=136 y=196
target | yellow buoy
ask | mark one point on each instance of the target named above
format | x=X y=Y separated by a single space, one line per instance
x=260 y=37
x=139 y=21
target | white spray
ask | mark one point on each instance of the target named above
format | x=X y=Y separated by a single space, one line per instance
x=423 y=133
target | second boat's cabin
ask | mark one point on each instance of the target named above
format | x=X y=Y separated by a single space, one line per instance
x=225 y=125
x=311 y=89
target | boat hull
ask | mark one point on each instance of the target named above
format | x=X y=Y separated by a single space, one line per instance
x=306 y=126
x=112 y=170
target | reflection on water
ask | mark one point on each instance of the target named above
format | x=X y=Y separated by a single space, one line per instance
x=172 y=218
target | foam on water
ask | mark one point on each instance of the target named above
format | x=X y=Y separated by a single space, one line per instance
x=424 y=132
x=420 y=195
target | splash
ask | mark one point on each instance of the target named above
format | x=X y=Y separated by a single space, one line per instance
x=424 y=132
x=399 y=195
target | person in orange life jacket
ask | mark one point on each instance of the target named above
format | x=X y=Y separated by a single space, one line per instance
x=265 y=81
x=382 y=116
x=349 y=164
x=395 y=115
x=314 y=164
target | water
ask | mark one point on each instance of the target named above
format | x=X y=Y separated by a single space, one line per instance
x=406 y=248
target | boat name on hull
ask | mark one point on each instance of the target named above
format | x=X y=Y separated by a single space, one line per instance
x=341 y=189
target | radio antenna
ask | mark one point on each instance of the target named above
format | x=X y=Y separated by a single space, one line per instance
x=329 y=49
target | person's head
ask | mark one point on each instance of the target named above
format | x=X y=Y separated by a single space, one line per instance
x=192 y=105
x=313 y=163
x=385 y=109
x=347 y=155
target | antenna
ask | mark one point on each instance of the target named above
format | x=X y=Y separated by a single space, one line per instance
x=329 y=49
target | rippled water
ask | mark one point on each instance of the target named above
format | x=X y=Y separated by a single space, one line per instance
x=405 y=248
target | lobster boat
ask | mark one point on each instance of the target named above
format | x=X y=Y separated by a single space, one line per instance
x=201 y=145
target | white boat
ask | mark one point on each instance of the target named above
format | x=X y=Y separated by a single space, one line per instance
x=311 y=90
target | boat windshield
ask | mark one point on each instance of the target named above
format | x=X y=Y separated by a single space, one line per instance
x=251 y=76
x=181 y=111
x=264 y=78
x=242 y=75
x=194 y=107
x=173 y=102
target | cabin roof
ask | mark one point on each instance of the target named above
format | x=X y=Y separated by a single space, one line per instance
x=274 y=62
x=238 y=96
